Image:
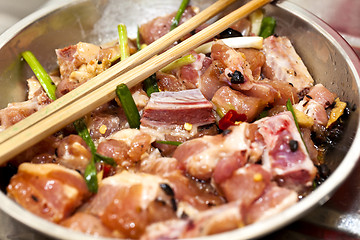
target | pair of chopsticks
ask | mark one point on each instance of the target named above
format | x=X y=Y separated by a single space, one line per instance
x=101 y=89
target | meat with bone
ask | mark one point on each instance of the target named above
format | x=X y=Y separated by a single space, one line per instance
x=50 y=191
x=285 y=154
x=170 y=108
x=284 y=64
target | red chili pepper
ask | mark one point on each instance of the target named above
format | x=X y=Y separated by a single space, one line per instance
x=230 y=118
x=107 y=169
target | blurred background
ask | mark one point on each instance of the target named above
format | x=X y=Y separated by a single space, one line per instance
x=342 y=15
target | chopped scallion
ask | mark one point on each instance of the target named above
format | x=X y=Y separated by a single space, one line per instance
x=43 y=77
x=129 y=106
x=150 y=85
x=90 y=176
x=267 y=27
x=291 y=109
x=188 y=59
x=174 y=143
x=123 y=42
x=179 y=13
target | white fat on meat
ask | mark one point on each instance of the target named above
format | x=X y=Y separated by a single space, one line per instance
x=284 y=64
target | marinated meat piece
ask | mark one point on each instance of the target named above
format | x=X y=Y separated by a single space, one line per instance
x=235 y=65
x=273 y=201
x=243 y=26
x=314 y=104
x=16 y=112
x=200 y=157
x=81 y=62
x=169 y=108
x=126 y=146
x=89 y=224
x=284 y=64
x=199 y=195
x=226 y=99
x=128 y=202
x=209 y=82
x=168 y=82
x=74 y=153
x=50 y=191
x=313 y=109
x=158 y=27
x=285 y=154
x=246 y=184
x=190 y=74
x=216 y=220
x=273 y=92
x=256 y=59
x=322 y=95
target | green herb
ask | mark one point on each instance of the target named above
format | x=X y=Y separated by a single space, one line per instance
x=188 y=59
x=179 y=13
x=43 y=77
x=138 y=37
x=291 y=109
x=90 y=173
x=90 y=176
x=123 y=42
x=174 y=143
x=263 y=114
x=129 y=106
x=83 y=132
x=107 y=160
x=150 y=85
x=267 y=27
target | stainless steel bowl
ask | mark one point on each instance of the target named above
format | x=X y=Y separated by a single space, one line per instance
x=330 y=60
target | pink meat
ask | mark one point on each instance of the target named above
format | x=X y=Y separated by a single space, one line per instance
x=273 y=201
x=322 y=95
x=170 y=108
x=158 y=27
x=246 y=184
x=292 y=168
x=284 y=64
x=226 y=99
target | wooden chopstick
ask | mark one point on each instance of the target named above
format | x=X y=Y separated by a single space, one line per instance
x=118 y=69
x=83 y=105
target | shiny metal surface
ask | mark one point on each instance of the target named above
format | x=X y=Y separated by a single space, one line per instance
x=329 y=58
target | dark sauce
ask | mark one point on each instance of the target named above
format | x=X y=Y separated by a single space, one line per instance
x=6 y=173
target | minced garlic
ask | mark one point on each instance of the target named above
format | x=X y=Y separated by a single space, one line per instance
x=188 y=126
x=258 y=177
x=103 y=129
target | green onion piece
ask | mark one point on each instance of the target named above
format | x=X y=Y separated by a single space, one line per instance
x=123 y=42
x=174 y=143
x=83 y=132
x=90 y=176
x=188 y=59
x=290 y=108
x=44 y=78
x=256 y=20
x=267 y=27
x=179 y=13
x=129 y=106
x=138 y=37
x=107 y=160
x=263 y=114
x=150 y=85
